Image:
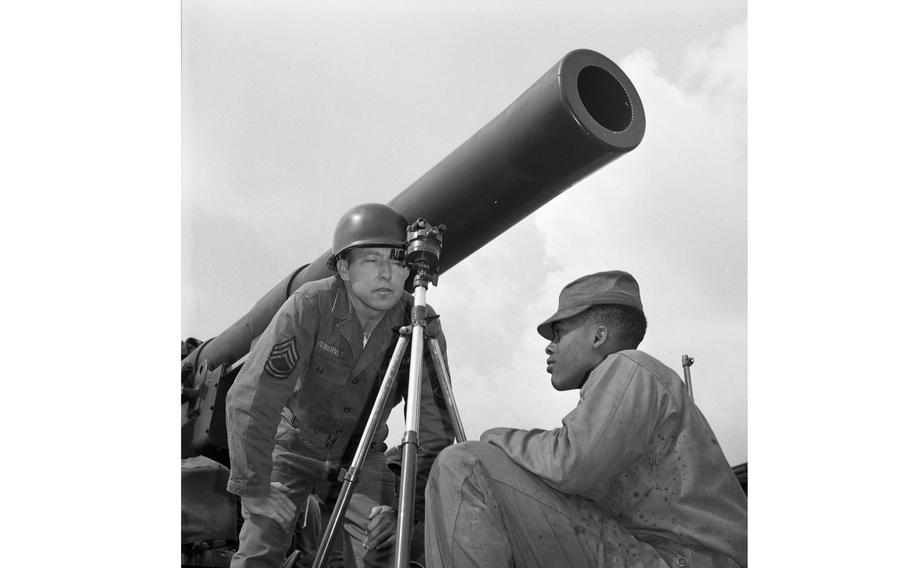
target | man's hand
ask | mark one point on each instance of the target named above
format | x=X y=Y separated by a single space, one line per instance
x=276 y=506
x=381 y=528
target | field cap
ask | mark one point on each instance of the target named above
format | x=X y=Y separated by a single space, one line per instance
x=611 y=287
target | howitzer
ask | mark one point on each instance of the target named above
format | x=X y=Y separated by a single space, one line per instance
x=580 y=115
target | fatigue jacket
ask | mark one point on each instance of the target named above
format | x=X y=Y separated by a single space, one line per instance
x=311 y=365
x=637 y=446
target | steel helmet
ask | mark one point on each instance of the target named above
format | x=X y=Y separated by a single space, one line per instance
x=369 y=224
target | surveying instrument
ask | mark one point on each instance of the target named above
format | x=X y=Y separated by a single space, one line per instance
x=424 y=245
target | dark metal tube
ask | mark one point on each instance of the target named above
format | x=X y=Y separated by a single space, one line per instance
x=579 y=116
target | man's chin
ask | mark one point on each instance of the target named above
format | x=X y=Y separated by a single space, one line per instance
x=384 y=304
x=565 y=384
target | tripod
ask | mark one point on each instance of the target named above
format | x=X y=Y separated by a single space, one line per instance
x=423 y=252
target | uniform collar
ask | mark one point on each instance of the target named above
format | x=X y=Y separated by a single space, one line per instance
x=341 y=307
x=347 y=326
x=383 y=336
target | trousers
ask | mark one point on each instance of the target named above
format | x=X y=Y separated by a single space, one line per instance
x=485 y=510
x=263 y=543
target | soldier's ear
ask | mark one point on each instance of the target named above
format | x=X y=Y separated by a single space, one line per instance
x=601 y=335
x=341 y=265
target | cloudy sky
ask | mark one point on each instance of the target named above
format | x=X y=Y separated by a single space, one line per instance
x=294 y=112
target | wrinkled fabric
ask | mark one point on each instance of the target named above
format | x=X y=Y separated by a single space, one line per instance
x=641 y=452
x=309 y=385
x=207 y=512
x=484 y=510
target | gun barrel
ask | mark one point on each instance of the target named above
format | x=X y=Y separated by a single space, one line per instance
x=579 y=116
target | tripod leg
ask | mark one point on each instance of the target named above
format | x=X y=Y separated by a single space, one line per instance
x=353 y=472
x=411 y=432
x=443 y=375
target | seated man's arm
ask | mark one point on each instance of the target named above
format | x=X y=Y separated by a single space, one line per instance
x=621 y=405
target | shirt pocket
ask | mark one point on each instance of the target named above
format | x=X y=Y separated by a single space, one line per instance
x=326 y=376
x=327 y=373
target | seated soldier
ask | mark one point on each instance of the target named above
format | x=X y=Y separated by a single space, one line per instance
x=634 y=477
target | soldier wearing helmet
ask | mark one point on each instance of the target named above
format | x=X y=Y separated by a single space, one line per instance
x=302 y=399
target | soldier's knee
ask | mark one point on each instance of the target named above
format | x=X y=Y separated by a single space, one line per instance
x=464 y=452
x=457 y=460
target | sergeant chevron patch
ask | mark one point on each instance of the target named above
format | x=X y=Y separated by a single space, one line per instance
x=282 y=359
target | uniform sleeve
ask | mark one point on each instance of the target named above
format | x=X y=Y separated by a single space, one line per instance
x=262 y=388
x=436 y=430
x=619 y=411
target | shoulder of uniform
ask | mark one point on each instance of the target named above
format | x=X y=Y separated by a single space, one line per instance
x=316 y=288
x=635 y=355
x=313 y=295
x=648 y=363
x=639 y=358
